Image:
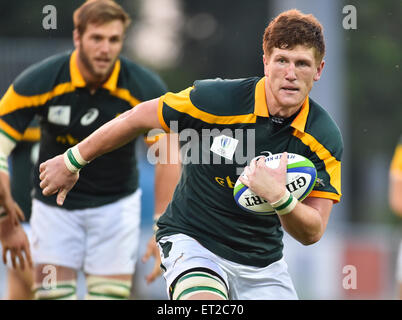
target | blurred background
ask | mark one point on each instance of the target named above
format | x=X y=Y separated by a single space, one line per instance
x=361 y=88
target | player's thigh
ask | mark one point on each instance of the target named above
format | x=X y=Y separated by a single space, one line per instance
x=58 y=236
x=190 y=270
x=253 y=283
x=112 y=238
x=49 y=273
x=53 y=282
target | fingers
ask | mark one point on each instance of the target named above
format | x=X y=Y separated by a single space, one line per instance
x=284 y=161
x=19 y=212
x=147 y=254
x=23 y=255
x=156 y=271
x=27 y=252
x=152 y=250
x=29 y=258
x=13 y=260
x=48 y=191
x=17 y=254
x=21 y=259
x=244 y=180
x=61 y=196
x=42 y=166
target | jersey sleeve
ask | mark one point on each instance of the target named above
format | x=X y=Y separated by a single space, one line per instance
x=328 y=183
x=23 y=99
x=15 y=114
x=175 y=111
x=327 y=160
x=325 y=151
x=207 y=104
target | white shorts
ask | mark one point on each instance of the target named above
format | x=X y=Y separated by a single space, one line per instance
x=100 y=241
x=244 y=282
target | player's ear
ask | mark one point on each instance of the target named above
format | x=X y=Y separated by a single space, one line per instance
x=265 y=61
x=76 y=38
x=320 y=67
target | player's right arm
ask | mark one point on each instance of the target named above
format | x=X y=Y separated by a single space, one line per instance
x=57 y=178
x=12 y=236
x=9 y=209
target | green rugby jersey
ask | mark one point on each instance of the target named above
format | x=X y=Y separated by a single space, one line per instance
x=56 y=92
x=203 y=206
x=22 y=161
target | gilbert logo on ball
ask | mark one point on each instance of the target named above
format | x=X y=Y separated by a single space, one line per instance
x=301 y=177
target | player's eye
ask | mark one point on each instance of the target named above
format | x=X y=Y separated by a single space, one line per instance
x=303 y=64
x=96 y=38
x=114 y=39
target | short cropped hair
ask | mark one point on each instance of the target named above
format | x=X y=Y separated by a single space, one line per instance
x=292 y=28
x=99 y=12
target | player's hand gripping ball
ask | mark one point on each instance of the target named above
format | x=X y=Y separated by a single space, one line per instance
x=301 y=177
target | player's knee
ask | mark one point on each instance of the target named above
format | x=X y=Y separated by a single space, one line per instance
x=61 y=290
x=103 y=288
x=203 y=282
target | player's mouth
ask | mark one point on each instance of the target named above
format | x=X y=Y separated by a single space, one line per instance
x=102 y=62
x=290 y=89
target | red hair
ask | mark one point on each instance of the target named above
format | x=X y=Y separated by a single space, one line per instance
x=292 y=28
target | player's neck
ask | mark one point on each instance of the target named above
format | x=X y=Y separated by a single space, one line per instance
x=92 y=82
x=275 y=108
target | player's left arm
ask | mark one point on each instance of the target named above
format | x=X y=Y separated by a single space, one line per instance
x=308 y=220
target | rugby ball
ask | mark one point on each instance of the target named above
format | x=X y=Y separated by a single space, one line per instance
x=301 y=177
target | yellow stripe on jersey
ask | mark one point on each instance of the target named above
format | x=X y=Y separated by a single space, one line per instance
x=10 y=131
x=31 y=134
x=300 y=121
x=6 y=145
x=332 y=166
x=13 y=101
x=160 y=115
x=181 y=102
x=396 y=164
x=124 y=94
x=153 y=139
x=260 y=104
x=325 y=195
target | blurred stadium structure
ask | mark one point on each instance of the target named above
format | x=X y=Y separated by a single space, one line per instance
x=360 y=87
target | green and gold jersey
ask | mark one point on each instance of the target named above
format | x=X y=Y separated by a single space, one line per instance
x=396 y=164
x=22 y=161
x=56 y=92
x=222 y=125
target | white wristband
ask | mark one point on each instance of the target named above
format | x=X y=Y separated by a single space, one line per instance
x=73 y=159
x=285 y=205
